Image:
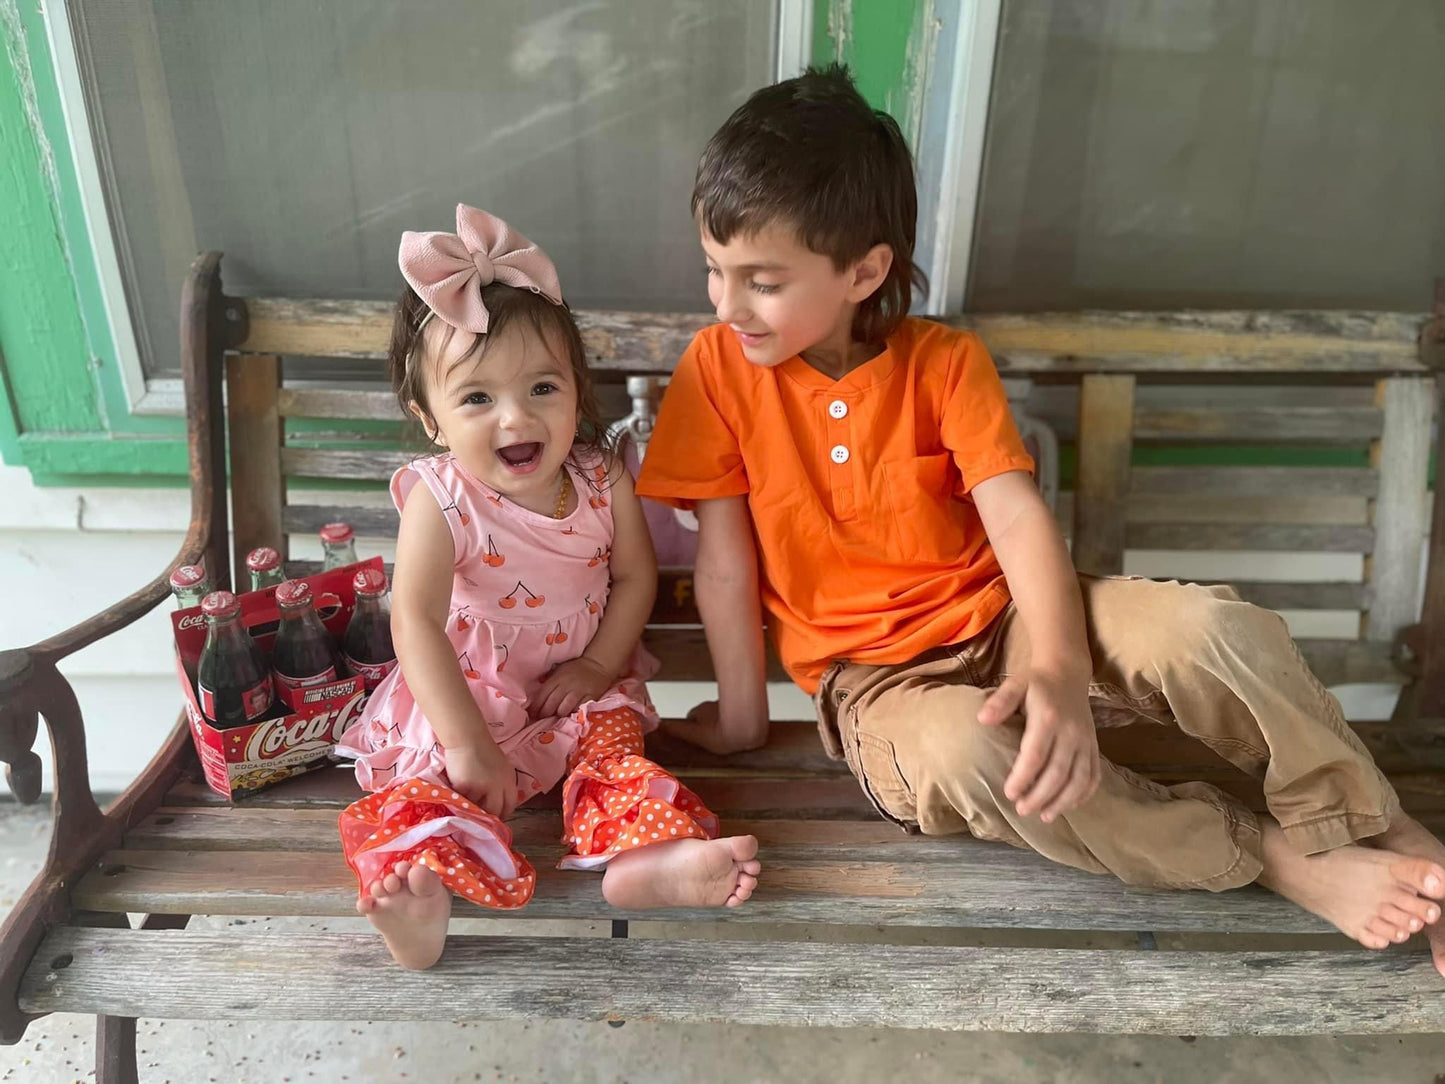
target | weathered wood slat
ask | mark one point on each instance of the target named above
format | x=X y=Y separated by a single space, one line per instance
x=371 y=465
x=1254 y=481
x=254 y=431
x=1197 y=342
x=916 y=881
x=367 y=522
x=1249 y=536
x=1321 y=425
x=1106 y=417
x=1189 y=508
x=1305 y=596
x=347 y=403
x=220 y=975
x=1342 y=662
x=1402 y=508
x=759 y=798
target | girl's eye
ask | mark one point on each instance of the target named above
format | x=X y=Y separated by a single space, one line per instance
x=544 y=388
x=477 y=398
x=763 y=288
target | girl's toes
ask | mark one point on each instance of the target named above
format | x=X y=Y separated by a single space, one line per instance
x=365 y=905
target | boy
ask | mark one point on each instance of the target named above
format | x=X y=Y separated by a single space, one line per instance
x=866 y=465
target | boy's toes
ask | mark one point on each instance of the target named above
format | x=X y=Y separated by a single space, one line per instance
x=744 y=848
x=1401 y=919
x=752 y=868
x=1422 y=875
x=1378 y=934
x=746 y=884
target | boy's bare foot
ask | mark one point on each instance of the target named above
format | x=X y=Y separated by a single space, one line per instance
x=684 y=873
x=1408 y=836
x=1373 y=895
x=410 y=907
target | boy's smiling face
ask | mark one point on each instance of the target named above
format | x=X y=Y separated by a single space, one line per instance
x=782 y=299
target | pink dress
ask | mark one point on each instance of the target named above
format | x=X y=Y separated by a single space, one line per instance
x=528 y=592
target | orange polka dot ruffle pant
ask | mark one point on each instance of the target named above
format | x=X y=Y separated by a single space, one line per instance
x=613 y=799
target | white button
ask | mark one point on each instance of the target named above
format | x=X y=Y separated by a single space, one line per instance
x=838 y=409
x=839 y=454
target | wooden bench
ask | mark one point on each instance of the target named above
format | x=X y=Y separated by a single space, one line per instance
x=861 y=924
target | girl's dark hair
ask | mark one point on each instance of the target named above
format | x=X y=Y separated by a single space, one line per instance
x=812 y=154
x=505 y=305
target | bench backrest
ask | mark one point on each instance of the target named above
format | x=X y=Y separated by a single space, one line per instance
x=1182 y=431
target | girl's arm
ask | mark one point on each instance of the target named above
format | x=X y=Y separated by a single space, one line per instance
x=421 y=604
x=633 y=569
x=634 y=581
x=726 y=583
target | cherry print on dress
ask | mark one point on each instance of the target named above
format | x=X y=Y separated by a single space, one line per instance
x=509 y=600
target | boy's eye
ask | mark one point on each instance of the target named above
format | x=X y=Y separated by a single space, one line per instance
x=766 y=288
x=711 y=270
x=477 y=398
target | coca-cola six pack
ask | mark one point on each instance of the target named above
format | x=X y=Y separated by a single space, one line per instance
x=274 y=677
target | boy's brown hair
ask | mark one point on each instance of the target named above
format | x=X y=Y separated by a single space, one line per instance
x=812 y=154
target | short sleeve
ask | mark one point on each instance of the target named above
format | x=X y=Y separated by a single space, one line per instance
x=977 y=426
x=424 y=470
x=693 y=453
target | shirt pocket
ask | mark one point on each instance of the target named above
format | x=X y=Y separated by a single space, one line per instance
x=929 y=525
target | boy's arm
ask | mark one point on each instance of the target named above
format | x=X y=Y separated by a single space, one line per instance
x=726 y=584
x=1058 y=763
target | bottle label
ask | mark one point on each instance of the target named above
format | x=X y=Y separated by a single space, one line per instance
x=292 y=691
x=371 y=673
x=255 y=701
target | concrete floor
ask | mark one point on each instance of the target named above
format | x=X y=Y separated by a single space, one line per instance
x=60 y=1048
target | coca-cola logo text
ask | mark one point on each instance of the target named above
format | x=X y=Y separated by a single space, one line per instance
x=194 y=621
x=270 y=740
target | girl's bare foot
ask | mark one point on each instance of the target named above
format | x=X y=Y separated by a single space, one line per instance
x=410 y=907
x=1408 y=836
x=1373 y=895
x=684 y=873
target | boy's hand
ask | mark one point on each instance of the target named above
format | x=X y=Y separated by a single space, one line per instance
x=570 y=685
x=704 y=727
x=1057 y=768
x=484 y=776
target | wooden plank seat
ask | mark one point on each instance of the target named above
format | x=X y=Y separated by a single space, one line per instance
x=1201 y=435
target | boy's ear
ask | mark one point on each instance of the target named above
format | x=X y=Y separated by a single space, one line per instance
x=869 y=272
x=433 y=434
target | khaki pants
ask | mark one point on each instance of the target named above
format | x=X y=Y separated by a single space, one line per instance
x=1223 y=671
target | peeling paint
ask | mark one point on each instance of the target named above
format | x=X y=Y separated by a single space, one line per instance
x=19 y=56
x=918 y=67
x=840 y=28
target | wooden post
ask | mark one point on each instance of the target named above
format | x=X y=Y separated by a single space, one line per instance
x=253 y=383
x=1402 y=456
x=1101 y=494
x=1424 y=700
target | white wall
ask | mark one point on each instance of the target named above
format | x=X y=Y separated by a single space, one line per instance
x=67 y=553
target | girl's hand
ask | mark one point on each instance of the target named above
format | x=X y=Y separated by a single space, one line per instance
x=570 y=685
x=484 y=776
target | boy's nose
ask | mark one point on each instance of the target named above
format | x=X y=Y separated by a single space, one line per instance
x=730 y=306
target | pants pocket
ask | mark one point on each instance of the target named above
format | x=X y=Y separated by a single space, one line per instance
x=875 y=763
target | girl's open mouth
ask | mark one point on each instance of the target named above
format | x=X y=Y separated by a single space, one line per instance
x=521 y=458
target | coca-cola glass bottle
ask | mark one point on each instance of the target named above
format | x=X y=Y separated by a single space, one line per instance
x=338 y=544
x=304 y=656
x=190 y=584
x=367 y=645
x=232 y=681
x=264 y=564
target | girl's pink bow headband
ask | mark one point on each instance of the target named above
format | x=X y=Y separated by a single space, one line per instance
x=448 y=270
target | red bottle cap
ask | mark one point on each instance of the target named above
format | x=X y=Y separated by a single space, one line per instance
x=369 y=581
x=220 y=604
x=293 y=593
x=263 y=559
x=187 y=576
x=336 y=534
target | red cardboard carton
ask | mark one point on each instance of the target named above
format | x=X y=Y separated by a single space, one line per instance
x=242 y=760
